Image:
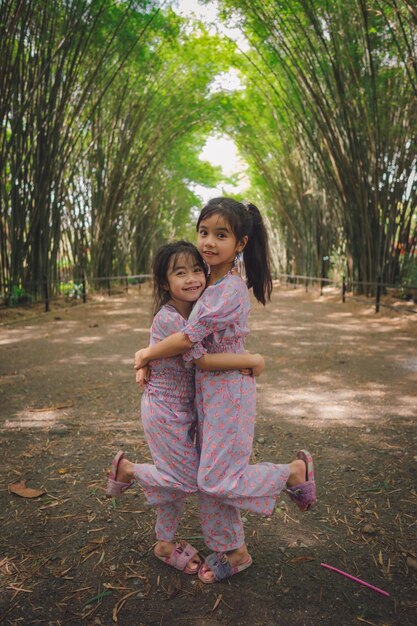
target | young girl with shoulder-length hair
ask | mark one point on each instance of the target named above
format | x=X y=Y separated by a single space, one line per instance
x=226 y=401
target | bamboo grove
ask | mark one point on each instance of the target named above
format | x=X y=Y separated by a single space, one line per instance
x=329 y=126
x=105 y=106
x=103 y=115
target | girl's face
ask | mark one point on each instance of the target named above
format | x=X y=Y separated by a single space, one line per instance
x=186 y=279
x=216 y=241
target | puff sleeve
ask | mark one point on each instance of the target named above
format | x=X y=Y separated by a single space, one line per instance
x=217 y=309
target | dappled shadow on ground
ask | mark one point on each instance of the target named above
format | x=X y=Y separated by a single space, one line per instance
x=339 y=380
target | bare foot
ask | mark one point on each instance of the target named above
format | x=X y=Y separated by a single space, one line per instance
x=235 y=557
x=297 y=473
x=166 y=548
x=125 y=471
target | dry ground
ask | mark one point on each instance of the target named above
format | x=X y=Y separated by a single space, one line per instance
x=339 y=380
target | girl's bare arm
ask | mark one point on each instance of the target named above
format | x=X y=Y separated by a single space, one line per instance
x=170 y=346
x=231 y=361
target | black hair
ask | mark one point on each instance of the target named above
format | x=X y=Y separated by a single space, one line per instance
x=160 y=266
x=246 y=220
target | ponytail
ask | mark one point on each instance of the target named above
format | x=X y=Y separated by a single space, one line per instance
x=246 y=220
x=257 y=258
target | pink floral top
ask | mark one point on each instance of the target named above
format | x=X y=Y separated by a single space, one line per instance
x=218 y=321
x=170 y=378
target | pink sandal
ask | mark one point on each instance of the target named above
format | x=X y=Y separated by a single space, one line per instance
x=180 y=557
x=115 y=488
x=304 y=494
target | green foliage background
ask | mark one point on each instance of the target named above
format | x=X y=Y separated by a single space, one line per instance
x=105 y=107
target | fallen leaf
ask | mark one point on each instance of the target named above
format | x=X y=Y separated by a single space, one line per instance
x=412 y=563
x=20 y=489
x=299 y=559
x=52 y=408
x=369 y=529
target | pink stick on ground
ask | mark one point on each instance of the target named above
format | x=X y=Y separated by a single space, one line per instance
x=358 y=580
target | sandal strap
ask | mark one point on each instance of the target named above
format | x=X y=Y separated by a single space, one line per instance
x=304 y=493
x=181 y=556
x=119 y=485
x=219 y=565
x=306 y=456
x=115 y=465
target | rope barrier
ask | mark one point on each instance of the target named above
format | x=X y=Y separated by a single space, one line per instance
x=127 y=281
x=344 y=288
x=68 y=289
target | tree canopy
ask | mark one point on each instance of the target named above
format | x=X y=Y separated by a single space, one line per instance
x=105 y=107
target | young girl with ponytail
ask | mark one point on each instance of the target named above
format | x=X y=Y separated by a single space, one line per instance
x=226 y=401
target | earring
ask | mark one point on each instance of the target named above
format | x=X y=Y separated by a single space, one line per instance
x=239 y=264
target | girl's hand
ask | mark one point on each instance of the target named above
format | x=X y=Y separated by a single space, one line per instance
x=259 y=366
x=142 y=376
x=141 y=358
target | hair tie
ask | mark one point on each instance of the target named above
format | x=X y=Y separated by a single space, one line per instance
x=253 y=211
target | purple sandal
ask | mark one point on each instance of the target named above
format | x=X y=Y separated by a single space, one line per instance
x=304 y=494
x=180 y=557
x=219 y=564
x=115 y=488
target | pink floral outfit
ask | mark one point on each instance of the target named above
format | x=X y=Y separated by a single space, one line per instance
x=169 y=420
x=226 y=405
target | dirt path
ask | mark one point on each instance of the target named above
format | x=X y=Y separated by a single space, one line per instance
x=339 y=380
